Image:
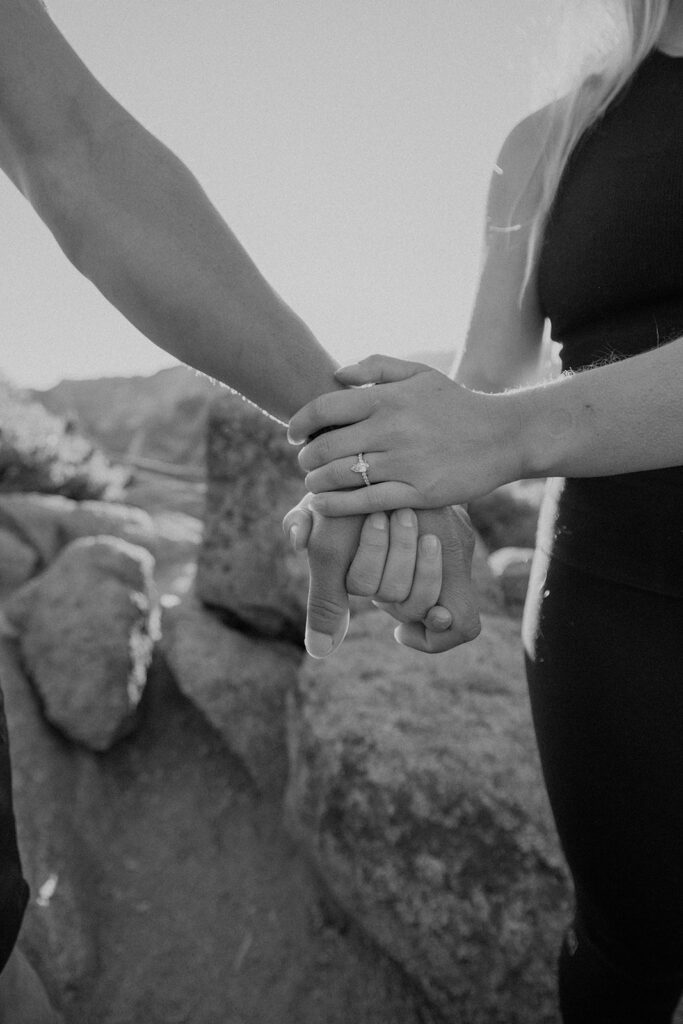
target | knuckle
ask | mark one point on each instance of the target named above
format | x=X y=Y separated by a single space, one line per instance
x=339 y=474
x=469 y=623
x=322 y=449
x=374 y=498
x=430 y=491
x=318 y=408
x=360 y=583
x=324 y=552
x=472 y=630
x=393 y=593
x=404 y=543
x=323 y=611
x=415 y=611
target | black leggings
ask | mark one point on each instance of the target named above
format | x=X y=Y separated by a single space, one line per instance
x=13 y=888
x=605 y=671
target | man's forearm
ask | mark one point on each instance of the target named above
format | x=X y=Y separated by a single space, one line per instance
x=619 y=418
x=134 y=220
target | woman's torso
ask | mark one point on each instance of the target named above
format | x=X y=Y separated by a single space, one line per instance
x=610 y=280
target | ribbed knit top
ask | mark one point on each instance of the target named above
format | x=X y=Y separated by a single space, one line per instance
x=611 y=269
x=611 y=281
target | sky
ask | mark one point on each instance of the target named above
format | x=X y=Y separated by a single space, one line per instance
x=348 y=144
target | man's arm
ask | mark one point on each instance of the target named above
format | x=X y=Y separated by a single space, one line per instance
x=133 y=219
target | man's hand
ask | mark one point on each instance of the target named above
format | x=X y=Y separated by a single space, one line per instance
x=386 y=562
x=454 y=530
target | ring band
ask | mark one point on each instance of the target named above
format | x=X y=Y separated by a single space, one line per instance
x=362 y=467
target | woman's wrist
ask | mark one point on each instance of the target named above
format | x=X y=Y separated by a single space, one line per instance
x=546 y=429
x=507 y=416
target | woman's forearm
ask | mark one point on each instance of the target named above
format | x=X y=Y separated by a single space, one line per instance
x=619 y=418
x=134 y=220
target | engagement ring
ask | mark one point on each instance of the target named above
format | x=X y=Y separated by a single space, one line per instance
x=362 y=467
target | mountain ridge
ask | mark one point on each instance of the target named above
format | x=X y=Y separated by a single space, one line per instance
x=161 y=416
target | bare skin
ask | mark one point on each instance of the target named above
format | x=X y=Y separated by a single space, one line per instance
x=132 y=218
x=432 y=440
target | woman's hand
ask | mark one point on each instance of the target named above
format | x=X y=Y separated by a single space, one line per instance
x=428 y=442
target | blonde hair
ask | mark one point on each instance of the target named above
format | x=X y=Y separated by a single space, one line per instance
x=637 y=25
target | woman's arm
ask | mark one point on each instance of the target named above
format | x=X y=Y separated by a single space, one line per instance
x=132 y=218
x=619 y=418
x=429 y=440
x=503 y=348
x=504 y=341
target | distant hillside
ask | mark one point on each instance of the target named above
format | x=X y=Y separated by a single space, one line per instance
x=159 y=417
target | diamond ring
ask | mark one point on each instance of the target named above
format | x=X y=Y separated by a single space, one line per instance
x=362 y=467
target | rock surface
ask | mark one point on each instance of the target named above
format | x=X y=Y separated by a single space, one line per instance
x=86 y=628
x=511 y=567
x=416 y=793
x=507 y=517
x=488 y=587
x=18 y=561
x=245 y=565
x=238 y=682
x=176 y=897
x=48 y=522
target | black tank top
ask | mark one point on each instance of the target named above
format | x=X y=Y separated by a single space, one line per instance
x=610 y=279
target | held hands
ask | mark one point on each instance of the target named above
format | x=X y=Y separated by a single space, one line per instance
x=383 y=558
x=428 y=441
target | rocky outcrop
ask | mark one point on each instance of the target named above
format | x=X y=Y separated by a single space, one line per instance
x=18 y=561
x=490 y=595
x=416 y=793
x=245 y=565
x=86 y=628
x=49 y=522
x=507 y=517
x=238 y=682
x=412 y=781
x=163 y=887
x=34 y=528
x=511 y=568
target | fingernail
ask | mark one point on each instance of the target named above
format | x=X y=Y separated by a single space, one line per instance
x=440 y=620
x=378 y=521
x=347 y=369
x=293 y=535
x=406 y=517
x=429 y=545
x=319 y=645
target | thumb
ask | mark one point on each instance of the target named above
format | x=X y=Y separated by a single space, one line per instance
x=328 y=605
x=379 y=370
